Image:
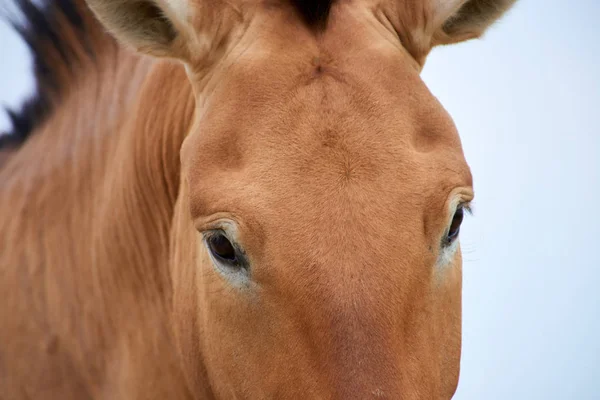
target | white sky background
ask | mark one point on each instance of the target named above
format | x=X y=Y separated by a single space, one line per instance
x=526 y=100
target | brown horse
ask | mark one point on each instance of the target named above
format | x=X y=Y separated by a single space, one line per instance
x=267 y=207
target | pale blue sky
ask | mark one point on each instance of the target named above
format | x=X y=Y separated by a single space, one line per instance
x=526 y=100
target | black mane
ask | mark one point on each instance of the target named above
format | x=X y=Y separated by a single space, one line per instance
x=42 y=28
x=314 y=12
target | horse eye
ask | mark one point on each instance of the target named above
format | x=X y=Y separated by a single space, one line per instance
x=455 y=225
x=221 y=248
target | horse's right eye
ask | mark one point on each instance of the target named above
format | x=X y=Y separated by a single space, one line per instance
x=222 y=249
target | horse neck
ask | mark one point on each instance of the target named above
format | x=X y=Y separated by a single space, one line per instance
x=86 y=209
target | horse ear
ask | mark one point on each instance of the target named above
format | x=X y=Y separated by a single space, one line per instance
x=149 y=26
x=460 y=20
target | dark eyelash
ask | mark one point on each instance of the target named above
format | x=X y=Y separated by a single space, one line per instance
x=468 y=208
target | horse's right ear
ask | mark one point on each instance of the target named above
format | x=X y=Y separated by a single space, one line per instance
x=148 y=26
x=162 y=28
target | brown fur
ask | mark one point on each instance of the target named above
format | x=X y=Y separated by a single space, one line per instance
x=338 y=169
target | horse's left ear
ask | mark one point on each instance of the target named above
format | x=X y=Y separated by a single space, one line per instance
x=459 y=20
x=424 y=24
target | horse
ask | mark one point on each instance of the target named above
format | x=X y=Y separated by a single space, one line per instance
x=242 y=199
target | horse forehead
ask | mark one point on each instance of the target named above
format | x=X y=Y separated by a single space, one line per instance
x=328 y=161
x=295 y=125
x=336 y=95
x=329 y=134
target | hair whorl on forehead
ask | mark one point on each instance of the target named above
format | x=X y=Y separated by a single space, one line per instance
x=314 y=12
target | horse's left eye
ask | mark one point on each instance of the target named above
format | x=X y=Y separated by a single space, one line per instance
x=455 y=225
